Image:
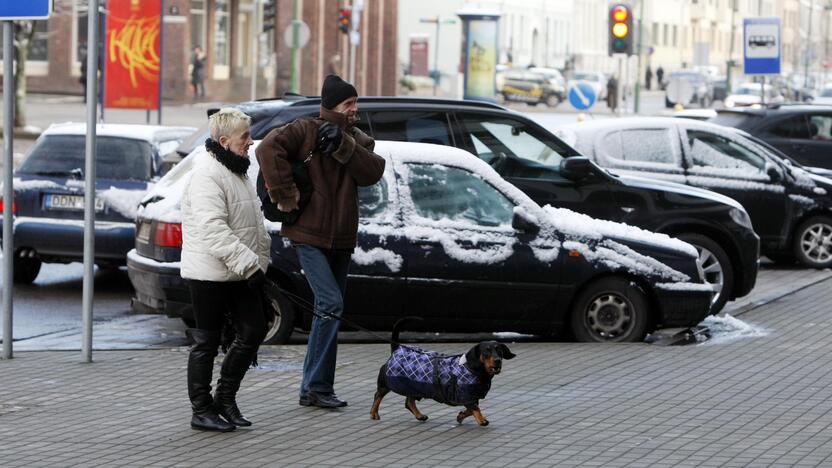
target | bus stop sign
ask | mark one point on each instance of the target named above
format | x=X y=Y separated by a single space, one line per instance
x=25 y=10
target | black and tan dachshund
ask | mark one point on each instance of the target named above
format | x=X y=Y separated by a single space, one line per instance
x=461 y=380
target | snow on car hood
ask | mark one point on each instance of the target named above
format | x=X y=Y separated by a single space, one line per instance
x=596 y=239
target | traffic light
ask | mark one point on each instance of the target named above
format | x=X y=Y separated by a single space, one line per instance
x=621 y=30
x=344 y=20
x=269 y=8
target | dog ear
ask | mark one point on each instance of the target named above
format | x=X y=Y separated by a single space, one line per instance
x=505 y=352
x=472 y=358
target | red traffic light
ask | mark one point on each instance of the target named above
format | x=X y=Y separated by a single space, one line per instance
x=620 y=13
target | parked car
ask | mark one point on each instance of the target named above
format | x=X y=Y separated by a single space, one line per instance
x=597 y=80
x=49 y=193
x=751 y=94
x=533 y=87
x=530 y=157
x=802 y=131
x=789 y=207
x=701 y=84
x=443 y=237
x=825 y=97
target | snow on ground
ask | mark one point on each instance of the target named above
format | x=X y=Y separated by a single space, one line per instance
x=726 y=329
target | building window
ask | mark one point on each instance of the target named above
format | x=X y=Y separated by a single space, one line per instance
x=221 y=39
x=198 y=29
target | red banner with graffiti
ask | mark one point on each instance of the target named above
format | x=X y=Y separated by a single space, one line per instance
x=132 y=55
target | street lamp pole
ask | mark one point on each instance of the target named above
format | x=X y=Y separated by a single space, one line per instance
x=637 y=100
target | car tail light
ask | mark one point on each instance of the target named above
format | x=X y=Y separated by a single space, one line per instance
x=14 y=206
x=168 y=234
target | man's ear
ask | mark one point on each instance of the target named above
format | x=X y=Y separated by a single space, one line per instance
x=505 y=352
x=472 y=357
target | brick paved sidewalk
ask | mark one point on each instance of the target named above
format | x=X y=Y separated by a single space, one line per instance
x=753 y=402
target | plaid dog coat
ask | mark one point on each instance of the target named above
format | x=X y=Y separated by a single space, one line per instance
x=422 y=374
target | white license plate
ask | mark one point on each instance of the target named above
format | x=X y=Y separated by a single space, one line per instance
x=55 y=201
x=144 y=233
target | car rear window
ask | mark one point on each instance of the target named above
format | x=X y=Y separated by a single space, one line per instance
x=116 y=158
x=735 y=119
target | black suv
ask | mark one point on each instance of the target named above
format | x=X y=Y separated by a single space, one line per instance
x=801 y=131
x=549 y=171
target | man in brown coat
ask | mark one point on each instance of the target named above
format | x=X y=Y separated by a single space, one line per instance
x=339 y=158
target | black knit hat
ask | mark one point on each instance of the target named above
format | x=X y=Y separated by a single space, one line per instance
x=335 y=91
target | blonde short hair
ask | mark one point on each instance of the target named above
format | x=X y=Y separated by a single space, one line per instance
x=225 y=121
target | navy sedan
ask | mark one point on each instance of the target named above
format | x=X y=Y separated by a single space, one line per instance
x=49 y=187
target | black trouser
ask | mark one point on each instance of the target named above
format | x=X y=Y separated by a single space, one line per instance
x=211 y=301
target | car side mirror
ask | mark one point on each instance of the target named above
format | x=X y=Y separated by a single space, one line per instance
x=576 y=168
x=523 y=224
x=774 y=173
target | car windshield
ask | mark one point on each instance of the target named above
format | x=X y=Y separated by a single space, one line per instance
x=749 y=90
x=586 y=76
x=63 y=155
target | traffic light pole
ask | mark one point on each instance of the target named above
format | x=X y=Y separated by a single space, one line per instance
x=295 y=50
x=637 y=97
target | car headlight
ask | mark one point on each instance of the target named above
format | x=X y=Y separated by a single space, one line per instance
x=729 y=103
x=741 y=217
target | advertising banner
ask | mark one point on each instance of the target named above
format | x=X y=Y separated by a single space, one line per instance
x=480 y=54
x=132 y=54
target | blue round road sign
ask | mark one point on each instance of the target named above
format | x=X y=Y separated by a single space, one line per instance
x=582 y=95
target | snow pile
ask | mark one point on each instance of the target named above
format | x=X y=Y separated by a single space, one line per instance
x=727 y=329
x=36 y=184
x=125 y=202
x=378 y=255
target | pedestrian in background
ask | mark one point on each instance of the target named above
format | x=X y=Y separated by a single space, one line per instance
x=339 y=157
x=612 y=93
x=660 y=77
x=225 y=252
x=198 y=72
x=648 y=77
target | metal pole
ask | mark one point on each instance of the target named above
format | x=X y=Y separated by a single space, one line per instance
x=295 y=50
x=255 y=43
x=8 y=193
x=729 y=71
x=161 y=60
x=809 y=49
x=637 y=97
x=618 y=86
x=89 y=186
x=436 y=58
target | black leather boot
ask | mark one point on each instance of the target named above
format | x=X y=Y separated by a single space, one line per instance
x=200 y=369
x=234 y=367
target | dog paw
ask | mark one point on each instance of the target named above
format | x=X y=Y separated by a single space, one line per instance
x=484 y=422
x=460 y=417
x=423 y=417
x=375 y=417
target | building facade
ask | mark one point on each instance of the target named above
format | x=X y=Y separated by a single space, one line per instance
x=227 y=31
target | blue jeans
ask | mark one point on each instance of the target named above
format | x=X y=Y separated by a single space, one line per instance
x=326 y=272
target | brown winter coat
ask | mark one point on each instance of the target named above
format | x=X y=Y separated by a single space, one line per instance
x=330 y=219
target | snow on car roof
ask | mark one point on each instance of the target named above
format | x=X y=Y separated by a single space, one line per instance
x=138 y=132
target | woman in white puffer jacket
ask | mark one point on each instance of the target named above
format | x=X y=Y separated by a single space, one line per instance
x=225 y=252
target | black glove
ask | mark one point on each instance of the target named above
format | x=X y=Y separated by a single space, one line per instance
x=257 y=280
x=329 y=138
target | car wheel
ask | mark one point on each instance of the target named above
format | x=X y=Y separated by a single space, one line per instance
x=281 y=315
x=813 y=242
x=532 y=104
x=716 y=264
x=26 y=269
x=611 y=309
x=552 y=100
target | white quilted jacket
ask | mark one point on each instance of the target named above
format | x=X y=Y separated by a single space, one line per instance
x=223 y=235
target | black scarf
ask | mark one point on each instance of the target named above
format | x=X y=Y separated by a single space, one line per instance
x=233 y=162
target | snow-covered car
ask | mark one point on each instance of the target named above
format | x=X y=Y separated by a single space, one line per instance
x=751 y=94
x=789 y=207
x=444 y=237
x=597 y=80
x=49 y=187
